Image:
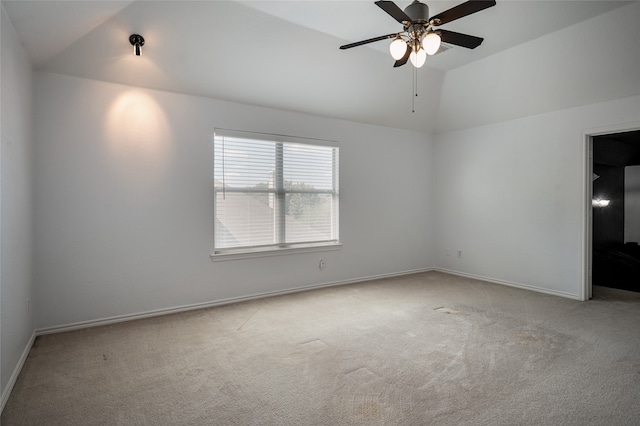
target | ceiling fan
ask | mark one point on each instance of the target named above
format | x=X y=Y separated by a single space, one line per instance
x=418 y=37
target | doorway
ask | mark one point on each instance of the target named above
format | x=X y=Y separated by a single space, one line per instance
x=612 y=204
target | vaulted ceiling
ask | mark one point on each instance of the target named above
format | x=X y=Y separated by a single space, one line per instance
x=280 y=54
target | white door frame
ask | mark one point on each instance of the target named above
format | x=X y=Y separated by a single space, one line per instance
x=587 y=186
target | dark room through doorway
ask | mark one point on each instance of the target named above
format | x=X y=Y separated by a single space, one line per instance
x=616 y=211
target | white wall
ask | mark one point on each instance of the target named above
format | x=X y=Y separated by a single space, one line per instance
x=509 y=187
x=510 y=196
x=632 y=204
x=16 y=260
x=124 y=201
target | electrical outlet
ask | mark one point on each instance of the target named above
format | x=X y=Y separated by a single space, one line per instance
x=459 y=254
x=322 y=264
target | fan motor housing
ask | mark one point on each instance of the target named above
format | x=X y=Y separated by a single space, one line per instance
x=418 y=12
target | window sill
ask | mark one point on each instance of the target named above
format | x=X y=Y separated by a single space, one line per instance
x=220 y=257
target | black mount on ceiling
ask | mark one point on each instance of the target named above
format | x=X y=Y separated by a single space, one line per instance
x=418 y=26
x=137 y=41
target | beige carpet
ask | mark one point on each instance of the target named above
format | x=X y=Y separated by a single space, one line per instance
x=416 y=350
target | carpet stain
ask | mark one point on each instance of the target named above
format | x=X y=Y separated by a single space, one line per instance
x=446 y=310
x=366 y=407
x=316 y=345
x=530 y=337
x=247 y=320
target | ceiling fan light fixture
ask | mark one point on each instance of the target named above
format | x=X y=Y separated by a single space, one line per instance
x=431 y=43
x=398 y=48
x=418 y=58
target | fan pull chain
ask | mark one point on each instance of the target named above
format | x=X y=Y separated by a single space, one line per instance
x=415 y=90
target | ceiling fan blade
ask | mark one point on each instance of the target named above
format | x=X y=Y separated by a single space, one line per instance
x=460 y=11
x=459 y=39
x=400 y=62
x=371 y=40
x=392 y=9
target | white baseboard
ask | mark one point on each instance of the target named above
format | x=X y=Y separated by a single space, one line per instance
x=509 y=283
x=16 y=372
x=191 y=307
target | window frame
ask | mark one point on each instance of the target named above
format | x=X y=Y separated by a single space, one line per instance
x=281 y=247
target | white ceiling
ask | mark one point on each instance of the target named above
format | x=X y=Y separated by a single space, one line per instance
x=505 y=25
x=281 y=54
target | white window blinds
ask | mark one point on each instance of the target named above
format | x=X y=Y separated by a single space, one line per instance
x=273 y=192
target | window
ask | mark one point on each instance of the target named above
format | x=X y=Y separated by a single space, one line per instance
x=273 y=192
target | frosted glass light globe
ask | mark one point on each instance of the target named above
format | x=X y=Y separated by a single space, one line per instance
x=418 y=59
x=431 y=43
x=398 y=48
